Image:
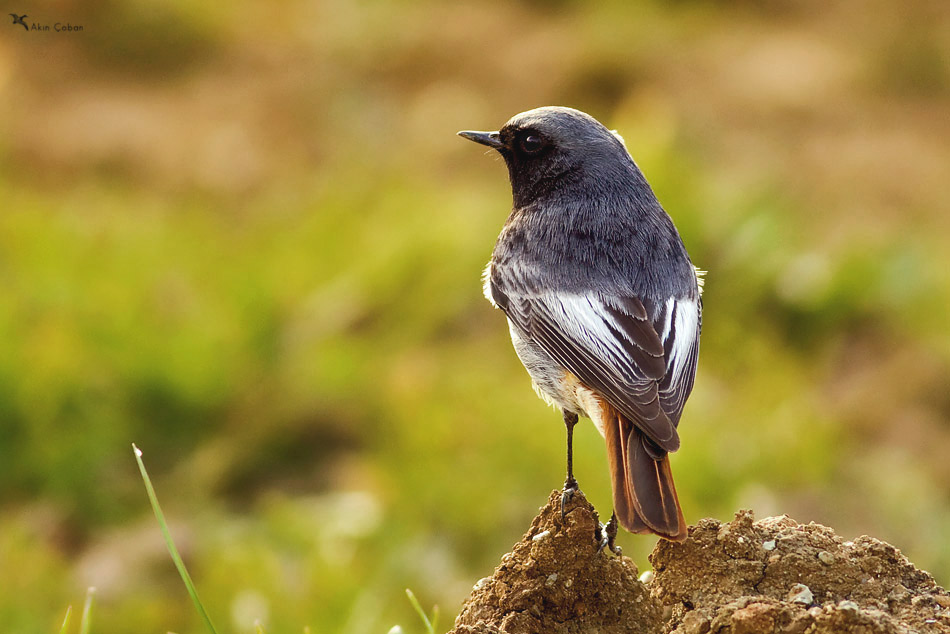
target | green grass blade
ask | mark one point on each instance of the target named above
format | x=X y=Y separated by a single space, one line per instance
x=65 y=627
x=170 y=543
x=430 y=625
x=86 y=621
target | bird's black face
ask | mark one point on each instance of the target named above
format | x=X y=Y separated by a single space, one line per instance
x=543 y=148
x=535 y=158
x=526 y=144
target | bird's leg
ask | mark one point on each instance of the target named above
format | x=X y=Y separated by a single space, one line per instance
x=570 y=419
x=607 y=533
x=570 y=484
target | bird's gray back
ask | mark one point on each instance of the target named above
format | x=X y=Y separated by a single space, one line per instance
x=606 y=235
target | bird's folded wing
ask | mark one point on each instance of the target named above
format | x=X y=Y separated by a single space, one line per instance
x=678 y=322
x=610 y=344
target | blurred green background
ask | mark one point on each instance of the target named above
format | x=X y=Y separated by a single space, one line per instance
x=244 y=236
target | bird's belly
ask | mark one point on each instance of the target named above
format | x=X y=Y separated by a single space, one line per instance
x=554 y=384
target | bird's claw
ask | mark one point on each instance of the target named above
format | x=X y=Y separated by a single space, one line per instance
x=570 y=487
x=606 y=534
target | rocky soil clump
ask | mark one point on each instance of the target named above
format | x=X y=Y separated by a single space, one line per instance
x=741 y=577
x=557 y=579
x=776 y=575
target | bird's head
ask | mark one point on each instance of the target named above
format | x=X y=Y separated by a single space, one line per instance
x=543 y=145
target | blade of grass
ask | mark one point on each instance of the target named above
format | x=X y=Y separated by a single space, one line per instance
x=65 y=627
x=430 y=625
x=189 y=585
x=86 y=621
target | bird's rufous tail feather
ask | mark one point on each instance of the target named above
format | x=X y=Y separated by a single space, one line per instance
x=644 y=495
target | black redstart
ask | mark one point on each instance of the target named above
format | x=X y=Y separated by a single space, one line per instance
x=603 y=303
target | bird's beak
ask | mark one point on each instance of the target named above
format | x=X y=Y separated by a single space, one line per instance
x=491 y=139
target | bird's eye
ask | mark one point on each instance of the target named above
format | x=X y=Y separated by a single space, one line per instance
x=531 y=143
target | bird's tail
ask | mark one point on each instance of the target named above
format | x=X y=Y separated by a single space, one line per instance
x=644 y=495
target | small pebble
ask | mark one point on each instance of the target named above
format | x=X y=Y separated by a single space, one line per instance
x=647 y=577
x=540 y=536
x=826 y=558
x=769 y=545
x=848 y=606
x=551 y=580
x=481 y=583
x=800 y=593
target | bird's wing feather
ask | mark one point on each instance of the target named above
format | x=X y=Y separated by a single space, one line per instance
x=678 y=321
x=609 y=343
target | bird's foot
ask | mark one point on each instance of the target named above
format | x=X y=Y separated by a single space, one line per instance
x=570 y=488
x=606 y=534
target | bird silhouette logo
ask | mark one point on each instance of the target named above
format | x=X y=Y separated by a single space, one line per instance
x=18 y=19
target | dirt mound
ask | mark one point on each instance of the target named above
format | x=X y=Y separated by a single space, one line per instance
x=742 y=577
x=776 y=575
x=556 y=579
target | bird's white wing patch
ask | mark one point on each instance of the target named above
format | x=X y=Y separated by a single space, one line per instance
x=680 y=339
x=586 y=320
x=686 y=333
x=611 y=346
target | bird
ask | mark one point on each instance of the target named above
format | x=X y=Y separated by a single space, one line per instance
x=18 y=19
x=602 y=300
